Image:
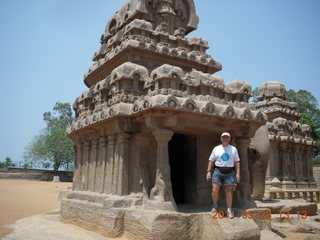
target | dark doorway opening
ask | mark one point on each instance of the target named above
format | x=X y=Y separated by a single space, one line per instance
x=183 y=163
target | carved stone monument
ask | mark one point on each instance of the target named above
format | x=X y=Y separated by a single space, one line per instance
x=289 y=172
x=144 y=129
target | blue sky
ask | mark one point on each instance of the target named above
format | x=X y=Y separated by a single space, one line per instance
x=46 y=46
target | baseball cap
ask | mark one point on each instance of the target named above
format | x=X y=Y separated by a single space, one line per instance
x=225 y=134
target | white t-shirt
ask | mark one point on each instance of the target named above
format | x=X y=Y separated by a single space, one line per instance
x=224 y=156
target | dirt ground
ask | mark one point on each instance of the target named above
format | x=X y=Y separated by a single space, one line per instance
x=23 y=198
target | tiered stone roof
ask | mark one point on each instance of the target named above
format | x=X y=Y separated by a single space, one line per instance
x=282 y=115
x=145 y=61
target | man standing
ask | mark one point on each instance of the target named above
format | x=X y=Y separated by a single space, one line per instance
x=224 y=158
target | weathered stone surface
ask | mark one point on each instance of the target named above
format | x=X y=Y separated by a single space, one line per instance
x=271 y=89
x=237 y=228
x=262 y=217
x=294 y=225
x=291 y=206
x=136 y=223
x=269 y=235
x=307 y=227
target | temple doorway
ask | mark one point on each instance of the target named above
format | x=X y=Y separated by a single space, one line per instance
x=183 y=164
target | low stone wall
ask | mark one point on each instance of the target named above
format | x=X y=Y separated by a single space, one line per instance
x=36 y=174
x=316 y=174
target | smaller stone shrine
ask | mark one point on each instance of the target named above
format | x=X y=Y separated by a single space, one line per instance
x=289 y=171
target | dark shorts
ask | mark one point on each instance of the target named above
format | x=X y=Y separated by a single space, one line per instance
x=223 y=178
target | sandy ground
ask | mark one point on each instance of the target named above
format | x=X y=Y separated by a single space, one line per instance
x=50 y=227
x=23 y=198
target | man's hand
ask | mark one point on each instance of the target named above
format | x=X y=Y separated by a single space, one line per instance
x=238 y=177
x=208 y=176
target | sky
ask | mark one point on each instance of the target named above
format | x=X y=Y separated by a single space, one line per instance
x=47 y=45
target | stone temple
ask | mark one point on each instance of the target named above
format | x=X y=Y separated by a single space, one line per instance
x=288 y=152
x=153 y=111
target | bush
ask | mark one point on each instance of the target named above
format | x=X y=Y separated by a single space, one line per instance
x=7 y=163
x=316 y=161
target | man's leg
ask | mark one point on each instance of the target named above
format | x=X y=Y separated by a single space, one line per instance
x=229 y=191
x=215 y=193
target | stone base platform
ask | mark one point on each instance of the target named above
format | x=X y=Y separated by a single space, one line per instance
x=116 y=216
x=197 y=225
x=119 y=217
x=291 y=206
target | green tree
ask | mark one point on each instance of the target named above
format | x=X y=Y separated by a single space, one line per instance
x=310 y=113
x=254 y=97
x=7 y=163
x=52 y=146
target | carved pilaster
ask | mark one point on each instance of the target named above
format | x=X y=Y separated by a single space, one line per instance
x=284 y=160
x=162 y=191
x=77 y=166
x=300 y=162
x=92 y=164
x=309 y=163
x=245 y=188
x=305 y=163
x=141 y=182
x=109 y=184
x=297 y=158
x=123 y=158
x=291 y=163
x=85 y=165
x=100 y=167
x=272 y=170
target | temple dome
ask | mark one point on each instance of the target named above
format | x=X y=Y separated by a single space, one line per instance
x=182 y=11
x=271 y=89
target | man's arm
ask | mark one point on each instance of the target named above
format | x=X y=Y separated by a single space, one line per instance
x=238 y=171
x=210 y=164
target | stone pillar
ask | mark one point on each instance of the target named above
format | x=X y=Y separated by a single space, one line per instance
x=305 y=163
x=298 y=162
x=284 y=159
x=77 y=166
x=115 y=164
x=141 y=182
x=92 y=164
x=280 y=161
x=100 y=167
x=301 y=164
x=109 y=185
x=273 y=160
x=309 y=164
x=85 y=167
x=291 y=160
x=123 y=160
x=161 y=193
x=245 y=188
